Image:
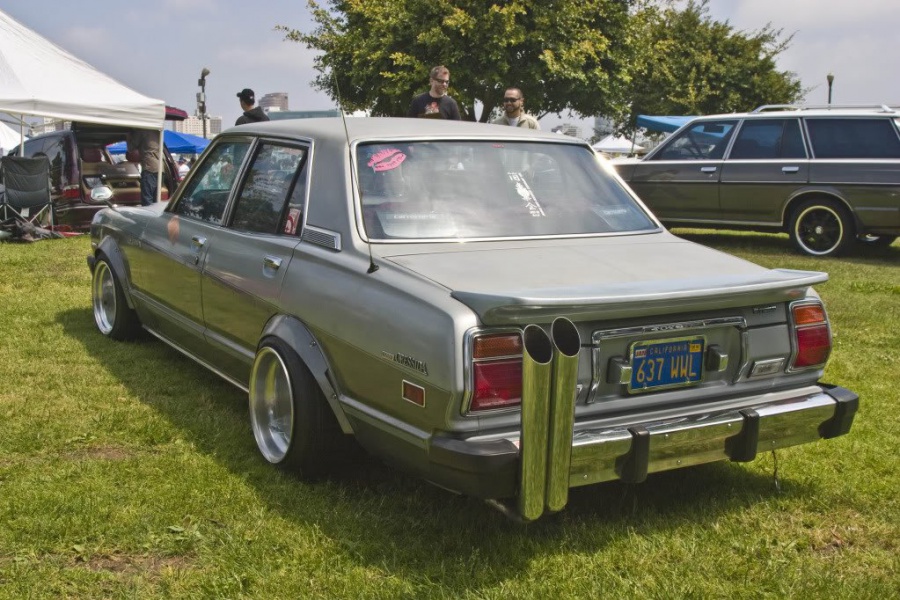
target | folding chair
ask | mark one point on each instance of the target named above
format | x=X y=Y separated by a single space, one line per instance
x=27 y=194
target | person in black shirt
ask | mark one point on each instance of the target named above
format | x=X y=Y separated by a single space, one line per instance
x=251 y=115
x=435 y=103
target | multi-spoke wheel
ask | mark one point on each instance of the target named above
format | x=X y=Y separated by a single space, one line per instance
x=822 y=228
x=291 y=419
x=113 y=316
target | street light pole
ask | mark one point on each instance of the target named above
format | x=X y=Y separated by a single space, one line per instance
x=201 y=98
x=830 y=79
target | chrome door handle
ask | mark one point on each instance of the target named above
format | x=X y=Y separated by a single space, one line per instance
x=272 y=262
x=789 y=170
x=198 y=241
x=708 y=169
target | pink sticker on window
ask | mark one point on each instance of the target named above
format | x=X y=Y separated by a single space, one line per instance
x=385 y=160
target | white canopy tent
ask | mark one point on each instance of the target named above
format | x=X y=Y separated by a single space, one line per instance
x=38 y=78
x=9 y=138
x=613 y=144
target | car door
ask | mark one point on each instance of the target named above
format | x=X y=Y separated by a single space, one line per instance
x=243 y=273
x=766 y=164
x=680 y=181
x=167 y=267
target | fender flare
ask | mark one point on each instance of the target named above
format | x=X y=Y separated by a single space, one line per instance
x=302 y=340
x=110 y=248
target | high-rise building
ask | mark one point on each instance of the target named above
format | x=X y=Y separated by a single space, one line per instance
x=194 y=126
x=277 y=100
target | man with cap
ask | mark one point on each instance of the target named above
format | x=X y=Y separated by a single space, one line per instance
x=251 y=115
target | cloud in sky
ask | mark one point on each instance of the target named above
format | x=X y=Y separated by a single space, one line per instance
x=159 y=48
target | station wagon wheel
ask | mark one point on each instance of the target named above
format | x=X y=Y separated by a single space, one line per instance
x=113 y=316
x=822 y=228
x=291 y=420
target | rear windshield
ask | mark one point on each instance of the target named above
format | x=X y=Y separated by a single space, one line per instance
x=475 y=189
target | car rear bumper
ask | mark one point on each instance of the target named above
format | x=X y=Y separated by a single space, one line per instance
x=491 y=468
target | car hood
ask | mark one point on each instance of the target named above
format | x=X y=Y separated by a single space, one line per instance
x=602 y=278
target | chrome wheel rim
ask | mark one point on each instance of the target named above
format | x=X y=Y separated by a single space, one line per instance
x=271 y=405
x=103 y=298
x=819 y=230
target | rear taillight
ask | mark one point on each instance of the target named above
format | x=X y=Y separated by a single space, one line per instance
x=71 y=192
x=812 y=336
x=497 y=371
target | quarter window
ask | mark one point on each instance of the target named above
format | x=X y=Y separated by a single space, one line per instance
x=706 y=140
x=261 y=204
x=853 y=138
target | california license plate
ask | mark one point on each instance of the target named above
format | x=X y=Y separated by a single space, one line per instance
x=660 y=364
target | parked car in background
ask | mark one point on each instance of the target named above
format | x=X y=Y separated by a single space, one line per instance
x=79 y=161
x=827 y=177
x=487 y=307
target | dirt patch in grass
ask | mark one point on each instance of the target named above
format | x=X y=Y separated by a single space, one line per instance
x=130 y=564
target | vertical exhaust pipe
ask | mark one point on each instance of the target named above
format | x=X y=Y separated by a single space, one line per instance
x=566 y=345
x=536 y=372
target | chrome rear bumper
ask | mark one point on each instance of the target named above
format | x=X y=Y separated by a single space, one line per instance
x=631 y=453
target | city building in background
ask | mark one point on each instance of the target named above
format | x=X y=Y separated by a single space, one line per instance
x=274 y=100
x=194 y=126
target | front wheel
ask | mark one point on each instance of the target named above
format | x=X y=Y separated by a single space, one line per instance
x=114 y=318
x=822 y=228
x=291 y=420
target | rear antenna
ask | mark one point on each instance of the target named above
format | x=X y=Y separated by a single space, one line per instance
x=353 y=178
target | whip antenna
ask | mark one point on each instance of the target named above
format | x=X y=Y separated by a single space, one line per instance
x=354 y=180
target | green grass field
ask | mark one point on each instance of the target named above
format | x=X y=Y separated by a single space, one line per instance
x=127 y=471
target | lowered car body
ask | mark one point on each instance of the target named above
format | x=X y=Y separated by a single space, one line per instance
x=490 y=309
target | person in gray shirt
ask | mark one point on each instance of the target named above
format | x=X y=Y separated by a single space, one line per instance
x=146 y=142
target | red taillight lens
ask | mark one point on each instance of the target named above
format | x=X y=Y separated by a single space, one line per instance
x=497 y=384
x=812 y=336
x=72 y=192
x=497 y=371
x=813 y=346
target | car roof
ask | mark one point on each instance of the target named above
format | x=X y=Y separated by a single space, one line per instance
x=361 y=128
x=781 y=110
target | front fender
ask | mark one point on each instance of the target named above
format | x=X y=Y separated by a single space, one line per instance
x=301 y=339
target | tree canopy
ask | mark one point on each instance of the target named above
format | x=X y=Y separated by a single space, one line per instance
x=563 y=55
x=616 y=58
x=690 y=64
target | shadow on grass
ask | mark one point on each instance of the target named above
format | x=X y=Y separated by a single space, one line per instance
x=392 y=521
x=776 y=245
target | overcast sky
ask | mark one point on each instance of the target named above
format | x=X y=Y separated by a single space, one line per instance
x=159 y=48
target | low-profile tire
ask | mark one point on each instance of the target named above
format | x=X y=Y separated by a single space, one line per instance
x=822 y=228
x=114 y=318
x=292 y=423
x=877 y=241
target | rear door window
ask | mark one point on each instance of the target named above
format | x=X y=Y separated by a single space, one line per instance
x=263 y=204
x=853 y=138
x=768 y=139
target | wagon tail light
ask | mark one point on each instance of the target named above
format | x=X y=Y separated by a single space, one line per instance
x=71 y=192
x=496 y=371
x=812 y=336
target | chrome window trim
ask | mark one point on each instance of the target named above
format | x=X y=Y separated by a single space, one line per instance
x=677 y=329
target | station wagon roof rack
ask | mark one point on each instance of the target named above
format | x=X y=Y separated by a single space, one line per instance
x=772 y=107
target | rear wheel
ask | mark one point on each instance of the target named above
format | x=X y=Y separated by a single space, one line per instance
x=113 y=316
x=291 y=420
x=822 y=228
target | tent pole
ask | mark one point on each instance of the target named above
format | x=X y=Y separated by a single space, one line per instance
x=162 y=164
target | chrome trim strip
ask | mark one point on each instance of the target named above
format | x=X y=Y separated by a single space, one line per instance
x=200 y=362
